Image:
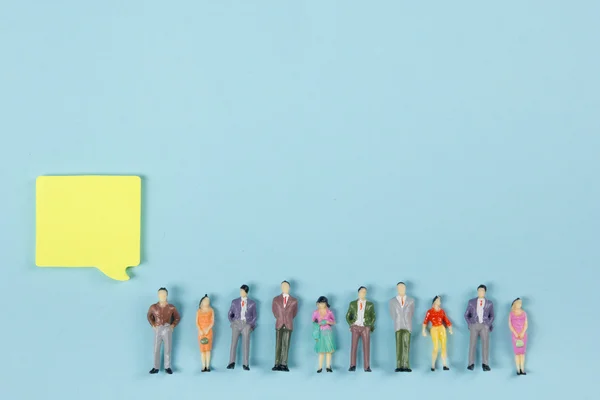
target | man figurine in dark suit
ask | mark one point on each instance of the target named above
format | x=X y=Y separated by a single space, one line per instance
x=242 y=315
x=285 y=308
x=480 y=317
x=361 y=318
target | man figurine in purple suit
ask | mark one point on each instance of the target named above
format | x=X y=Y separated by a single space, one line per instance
x=480 y=317
x=242 y=315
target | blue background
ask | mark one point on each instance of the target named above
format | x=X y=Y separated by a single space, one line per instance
x=331 y=143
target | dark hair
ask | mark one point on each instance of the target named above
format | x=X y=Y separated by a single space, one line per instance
x=286 y=282
x=362 y=287
x=205 y=297
x=482 y=287
x=165 y=289
x=514 y=301
x=434 y=299
x=400 y=283
x=245 y=288
x=323 y=299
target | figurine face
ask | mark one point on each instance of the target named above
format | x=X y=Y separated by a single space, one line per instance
x=321 y=306
x=518 y=305
x=205 y=303
x=362 y=293
x=481 y=293
x=243 y=293
x=285 y=288
x=401 y=289
x=162 y=296
x=438 y=302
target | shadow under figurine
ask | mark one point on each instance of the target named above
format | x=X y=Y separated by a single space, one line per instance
x=163 y=317
x=285 y=308
x=242 y=315
x=437 y=316
x=480 y=318
x=361 y=319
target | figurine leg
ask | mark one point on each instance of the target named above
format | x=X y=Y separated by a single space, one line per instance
x=235 y=336
x=435 y=339
x=523 y=363
x=207 y=360
x=167 y=339
x=404 y=349
x=321 y=356
x=443 y=341
x=157 y=344
x=286 y=336
x=278 y=339
x=398 y=349
x=246 y=344
x=485 y=345
x=328 y=360
x=354 y=348
x=366 y=342
x=473 y=335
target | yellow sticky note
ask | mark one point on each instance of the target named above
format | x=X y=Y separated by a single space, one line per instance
x=89 y=221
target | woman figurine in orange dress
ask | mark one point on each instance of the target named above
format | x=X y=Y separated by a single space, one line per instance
x=205 y=319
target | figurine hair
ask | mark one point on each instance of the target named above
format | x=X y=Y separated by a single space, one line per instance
x=361 y=288
x=245 y=288
x=323 y=299
x=434 y=299
x=482 y=287
x=286 y=282
x=400 y=283
x=514 y=301
x=202 y=299
x=165 y=289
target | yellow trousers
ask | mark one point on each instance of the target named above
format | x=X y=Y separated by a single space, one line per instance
x=438 y=337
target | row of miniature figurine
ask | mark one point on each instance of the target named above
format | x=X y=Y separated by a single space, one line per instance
x=163 y=318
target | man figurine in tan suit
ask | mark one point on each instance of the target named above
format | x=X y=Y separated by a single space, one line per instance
x=163 y=318
x=285 y=308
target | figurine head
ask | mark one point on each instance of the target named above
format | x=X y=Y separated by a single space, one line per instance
x=244 y=289
x=362 y=292
x=437 y=301
x=285 y=287
x=322 y=302
x=163 y=293
x=517 y=304
x=204 y=302
x=481 y=290
x=401 y=286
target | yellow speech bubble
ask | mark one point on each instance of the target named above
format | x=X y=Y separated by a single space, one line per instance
x=89 y=221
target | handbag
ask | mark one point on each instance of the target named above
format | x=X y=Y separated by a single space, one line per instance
x=519 y=343
x=204 y=340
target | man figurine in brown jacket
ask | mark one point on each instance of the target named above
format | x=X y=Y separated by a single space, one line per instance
x=163 y=318
x=285 y=308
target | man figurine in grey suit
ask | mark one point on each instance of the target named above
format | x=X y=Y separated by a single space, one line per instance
x=242 y=315
x=285 y=308
x=402 y=309
x=480 y=317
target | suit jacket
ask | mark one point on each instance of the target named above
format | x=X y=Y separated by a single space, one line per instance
x=488 y=313
x=402 y=316
x=235 y=311
x=352 y=314
x=284 y=315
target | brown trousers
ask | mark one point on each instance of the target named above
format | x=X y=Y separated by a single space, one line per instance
x=363 y=332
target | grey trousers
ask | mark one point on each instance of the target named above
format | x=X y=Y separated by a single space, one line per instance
x=239 y=327
x=163 y=334
x=479 y=330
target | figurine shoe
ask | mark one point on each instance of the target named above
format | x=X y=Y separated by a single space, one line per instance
x=399 y=370
x=319 y=370
x=246 y=368
x=352 y=368
x=329 y=370
x=285 y=368
x=367 y=369
x=276 y=368
x=231 y=366
x=169 y=371
x=471 y=367
x=154 y=371
x=446 y=368
x=486 y=367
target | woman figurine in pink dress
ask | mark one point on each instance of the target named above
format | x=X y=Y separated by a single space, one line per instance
x=517 y=323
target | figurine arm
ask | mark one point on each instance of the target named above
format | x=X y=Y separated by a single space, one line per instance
x=176 y=317
x=253 y=317
x=231 y=313
x=446 y=320
x=198 y=320
x=491 y=315
x=510 y=326
x=150 y=317
x=525 y=327
x=295 y=309
x=468 y=314
x=331 y=318
x=426 y=322
x=349 y=315
x=392 y=311
x=212 y=321
x=374 y=316
x=274 y=308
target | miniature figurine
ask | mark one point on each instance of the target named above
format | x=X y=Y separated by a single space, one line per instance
x=163 y=318
x=437 y=316
x=242 y=315
x=285 y=308
x=480 y=318
x=517 y=323
x=205 y=320
x=402 y=309
x=361 y=318
x=323 y=321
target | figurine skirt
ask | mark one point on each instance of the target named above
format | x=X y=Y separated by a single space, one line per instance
x=519 y=350
x=325 y=343
x=207 y=346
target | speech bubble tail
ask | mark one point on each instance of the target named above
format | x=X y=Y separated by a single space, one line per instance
x=114 y=272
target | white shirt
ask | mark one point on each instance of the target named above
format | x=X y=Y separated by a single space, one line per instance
x=360 y=316
x=285 y=299
x=244 y=307
x=401 y=300
x=480 y=305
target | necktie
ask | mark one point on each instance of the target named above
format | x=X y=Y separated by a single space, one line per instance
x=361 y=306
x=243 y=303
x=403 y=302
x=481 y=303
x=285 y=301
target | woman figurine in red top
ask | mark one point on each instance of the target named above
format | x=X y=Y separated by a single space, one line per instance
x=438 y=318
